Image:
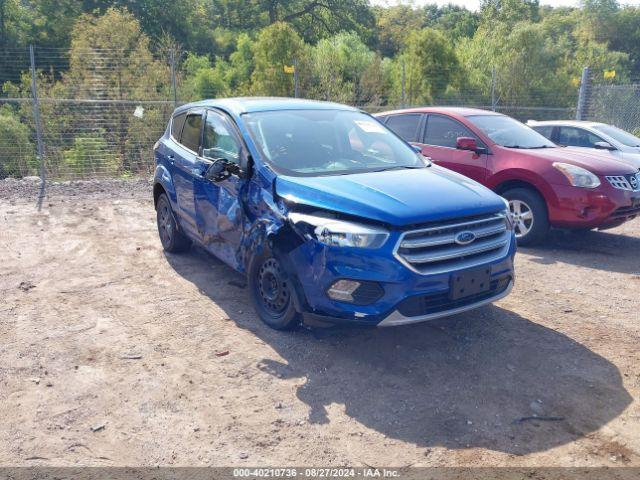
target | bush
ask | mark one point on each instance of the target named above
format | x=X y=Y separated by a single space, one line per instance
x=89 y=155
x=17 y=152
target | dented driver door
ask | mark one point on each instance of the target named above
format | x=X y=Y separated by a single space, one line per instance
x=218 y=209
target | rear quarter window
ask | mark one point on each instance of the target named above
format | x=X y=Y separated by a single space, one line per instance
x=176 y=125
x=191 y=132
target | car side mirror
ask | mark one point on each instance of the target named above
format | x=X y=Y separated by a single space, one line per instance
x=217 y=171
x=604 y=146
x=469 y=143
x=222 y=169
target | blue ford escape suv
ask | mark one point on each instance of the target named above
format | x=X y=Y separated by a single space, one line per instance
x=332 y=217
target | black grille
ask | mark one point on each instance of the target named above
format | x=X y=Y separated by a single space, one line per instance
x=367 y=292
x=628 y=211
x=426 y=304
x=629 y=182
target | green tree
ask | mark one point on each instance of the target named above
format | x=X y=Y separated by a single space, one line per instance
x=509 y=12
x=15 y=30
x=240 y=68
x=339 y=65
x=431 y=65
x=110 y=59
x=277 y=46
x=312 y=19
x=201 y=80
x=456 y=22
x=393 y=25
x=626 y=37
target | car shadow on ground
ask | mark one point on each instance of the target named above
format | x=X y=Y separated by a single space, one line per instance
x=612 y=252
x=476 y=380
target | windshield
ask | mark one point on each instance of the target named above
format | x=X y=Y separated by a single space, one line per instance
x=619 y=135
x=508 y=132
x=328 y=142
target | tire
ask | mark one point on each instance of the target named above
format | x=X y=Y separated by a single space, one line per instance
x=530 y=215
x=172 y=239
x=271 y=293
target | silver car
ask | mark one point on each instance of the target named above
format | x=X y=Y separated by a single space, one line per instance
x=573 y=133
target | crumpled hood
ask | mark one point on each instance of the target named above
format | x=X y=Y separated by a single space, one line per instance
x=396 y=197
x=600 y=163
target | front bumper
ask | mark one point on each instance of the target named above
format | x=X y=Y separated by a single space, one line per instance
x=396 y=318
x=408 y=296
x=602 y=207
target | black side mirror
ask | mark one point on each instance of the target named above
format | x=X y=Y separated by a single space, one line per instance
x=222 y=169
x=218 y=171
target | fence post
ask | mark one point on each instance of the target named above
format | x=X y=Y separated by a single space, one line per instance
x=172 y=60
x=295 y=78
x=493 y=88
x=404 y=79
x=38 y=125
x=583 y=95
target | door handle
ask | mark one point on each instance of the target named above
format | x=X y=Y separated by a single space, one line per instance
x=171 y=158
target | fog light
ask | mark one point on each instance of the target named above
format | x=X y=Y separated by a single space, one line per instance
x=360 y=292
x=343 y=290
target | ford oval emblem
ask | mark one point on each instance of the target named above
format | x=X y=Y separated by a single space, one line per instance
x=634 y=182
x=465 y=238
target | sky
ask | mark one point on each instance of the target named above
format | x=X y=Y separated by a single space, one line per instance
x=473 y=4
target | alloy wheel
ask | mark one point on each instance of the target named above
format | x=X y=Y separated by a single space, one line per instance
x=522 y=217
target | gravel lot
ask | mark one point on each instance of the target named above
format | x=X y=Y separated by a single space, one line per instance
x=113 y=353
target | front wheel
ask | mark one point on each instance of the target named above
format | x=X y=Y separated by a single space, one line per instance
x=271 y=293
x=529 y=213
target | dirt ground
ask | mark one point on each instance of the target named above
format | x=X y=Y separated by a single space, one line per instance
x=113 y=353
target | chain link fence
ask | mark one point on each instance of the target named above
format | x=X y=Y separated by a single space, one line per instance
x=617 y=105
x=101 y=111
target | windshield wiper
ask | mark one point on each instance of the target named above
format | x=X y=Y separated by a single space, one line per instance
x=396 y=167
x=526 y=148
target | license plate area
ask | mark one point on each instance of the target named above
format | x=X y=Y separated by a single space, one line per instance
x=469 y=283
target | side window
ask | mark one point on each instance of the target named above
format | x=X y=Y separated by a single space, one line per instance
x=577 y=137
x=444 y=131
x=218 y=140
x=544 y=130
x=405 y=126
x=176 y=125
x=191 y=132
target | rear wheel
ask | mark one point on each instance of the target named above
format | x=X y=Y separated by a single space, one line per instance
x=529 y=214
x=271 y=293
x=172 y=239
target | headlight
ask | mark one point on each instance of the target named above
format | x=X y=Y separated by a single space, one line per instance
x=578 y=176
x=340 y=233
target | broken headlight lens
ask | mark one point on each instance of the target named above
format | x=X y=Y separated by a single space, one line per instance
x=340 y=233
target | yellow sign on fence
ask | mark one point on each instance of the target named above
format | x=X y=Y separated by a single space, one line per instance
x=609 y=74
x=289 y=69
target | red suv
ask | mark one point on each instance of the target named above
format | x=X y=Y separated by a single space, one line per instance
x=546 y=185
